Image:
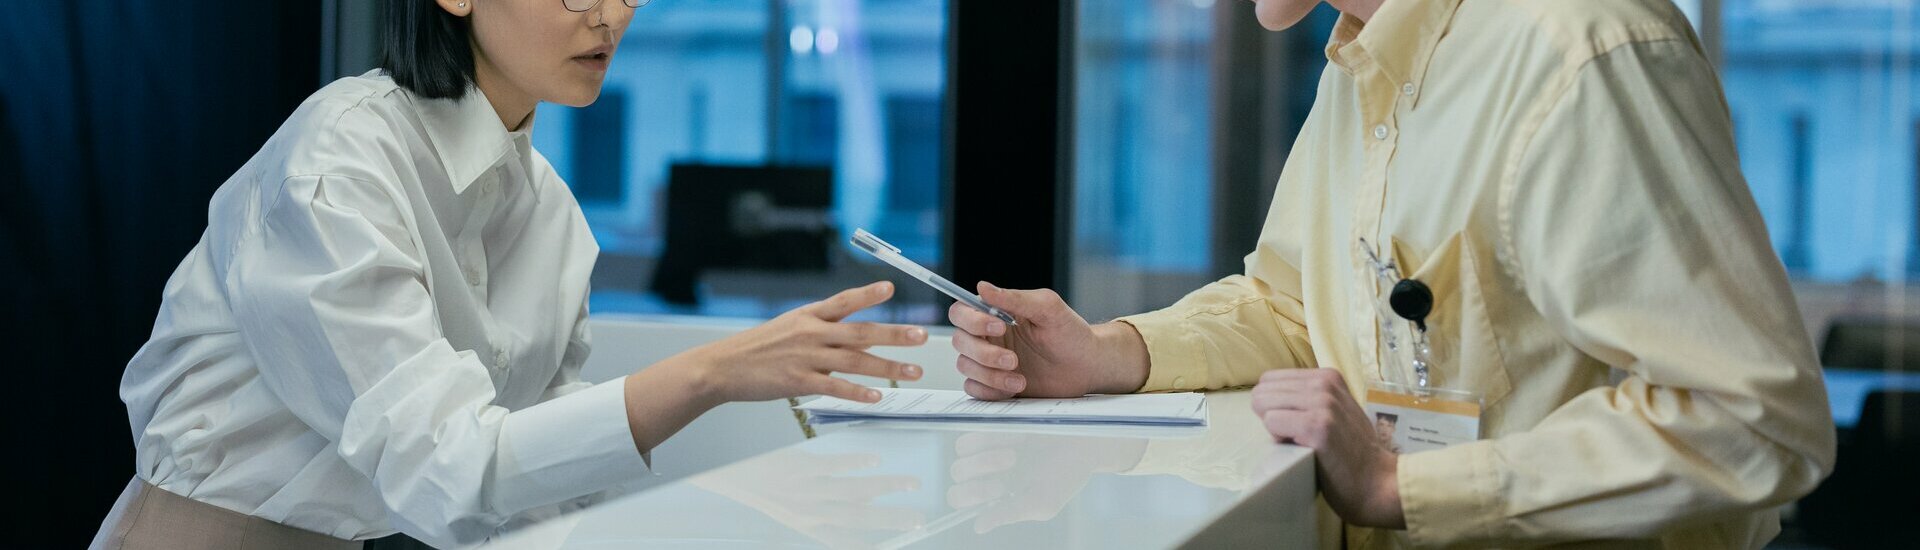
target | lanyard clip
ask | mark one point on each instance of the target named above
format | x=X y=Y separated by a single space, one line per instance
x=1409 y=299
x=1412 y=300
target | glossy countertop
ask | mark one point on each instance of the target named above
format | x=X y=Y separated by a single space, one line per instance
x=916 y=485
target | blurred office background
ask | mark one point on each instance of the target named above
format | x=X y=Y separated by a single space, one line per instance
x=1123 y=151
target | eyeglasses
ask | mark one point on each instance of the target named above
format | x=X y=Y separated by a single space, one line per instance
x=584 y=5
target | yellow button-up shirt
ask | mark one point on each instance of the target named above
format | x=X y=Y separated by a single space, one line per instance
x=1562 y=174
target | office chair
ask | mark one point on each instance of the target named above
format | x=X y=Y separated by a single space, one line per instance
x=1871 y=343
x=1871 y=492
x=774 y=218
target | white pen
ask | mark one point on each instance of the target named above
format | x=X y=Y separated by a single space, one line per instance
x=891 y=255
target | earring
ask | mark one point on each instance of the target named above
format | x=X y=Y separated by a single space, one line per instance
x=463 y=5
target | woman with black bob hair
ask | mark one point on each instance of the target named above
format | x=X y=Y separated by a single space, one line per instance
x=382 y=328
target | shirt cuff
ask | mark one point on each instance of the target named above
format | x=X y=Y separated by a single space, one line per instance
x=567 y=448
x=1175 y=361
x=557 y=392
x=1450 y=496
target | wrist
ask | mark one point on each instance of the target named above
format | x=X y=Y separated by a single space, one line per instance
x=666 y=396
x=1386 y=501
x=1126 y=363
x=694 y=372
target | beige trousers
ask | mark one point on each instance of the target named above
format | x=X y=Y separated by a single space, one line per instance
x=147 y=517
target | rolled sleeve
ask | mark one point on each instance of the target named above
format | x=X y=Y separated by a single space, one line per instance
x=1223 y=335
x=1173 y=351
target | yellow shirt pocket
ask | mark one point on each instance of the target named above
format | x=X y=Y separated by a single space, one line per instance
x=1465 y=355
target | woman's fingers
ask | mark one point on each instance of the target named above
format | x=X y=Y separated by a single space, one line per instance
x=984 y=352
x=867 y=364
x=851 y=300
x=866 y=335
x=822 y=384
x=1001 y=381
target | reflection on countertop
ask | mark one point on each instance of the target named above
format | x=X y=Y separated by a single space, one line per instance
x=894 y=485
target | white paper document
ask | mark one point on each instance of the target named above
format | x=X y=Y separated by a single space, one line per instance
x=1154 y=409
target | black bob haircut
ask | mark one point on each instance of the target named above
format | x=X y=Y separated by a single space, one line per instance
x=428 y=51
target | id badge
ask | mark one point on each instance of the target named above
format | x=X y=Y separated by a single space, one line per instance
x=1409 y=420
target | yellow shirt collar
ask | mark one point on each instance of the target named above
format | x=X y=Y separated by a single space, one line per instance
x=1399 y=40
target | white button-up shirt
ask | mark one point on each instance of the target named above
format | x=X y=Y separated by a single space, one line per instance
x=382 y=329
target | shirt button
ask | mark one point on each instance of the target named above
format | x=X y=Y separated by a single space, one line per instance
x=1407 y=89
x=500 y=359
x=1380 y=132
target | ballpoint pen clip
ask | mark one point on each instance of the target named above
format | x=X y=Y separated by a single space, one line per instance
x=873 y=241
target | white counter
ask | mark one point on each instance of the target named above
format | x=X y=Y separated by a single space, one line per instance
x=976 y=486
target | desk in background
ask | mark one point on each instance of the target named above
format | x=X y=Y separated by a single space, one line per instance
x=1847 y=390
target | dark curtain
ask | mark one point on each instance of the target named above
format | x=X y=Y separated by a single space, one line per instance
x=117 y=122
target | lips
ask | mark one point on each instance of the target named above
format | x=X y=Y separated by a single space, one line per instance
x=596 y=58
x=602 y=51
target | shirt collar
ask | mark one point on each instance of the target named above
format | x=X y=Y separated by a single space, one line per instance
x=1399 y=39
x=468 y=138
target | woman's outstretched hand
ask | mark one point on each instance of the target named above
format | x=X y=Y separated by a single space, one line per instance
x=796 y=353
x=792 y=355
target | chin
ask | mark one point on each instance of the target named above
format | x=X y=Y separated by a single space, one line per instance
x=579 y=98
x=1280 y=15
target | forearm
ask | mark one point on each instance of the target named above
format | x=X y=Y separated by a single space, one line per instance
x=664 y=398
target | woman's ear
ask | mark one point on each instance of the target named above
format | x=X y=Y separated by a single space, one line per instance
x=459 y=8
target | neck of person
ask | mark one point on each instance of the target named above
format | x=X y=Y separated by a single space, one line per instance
x=1359 y=9
x=513 y=105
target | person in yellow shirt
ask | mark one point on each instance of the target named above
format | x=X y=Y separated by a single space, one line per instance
x=1602 y=307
